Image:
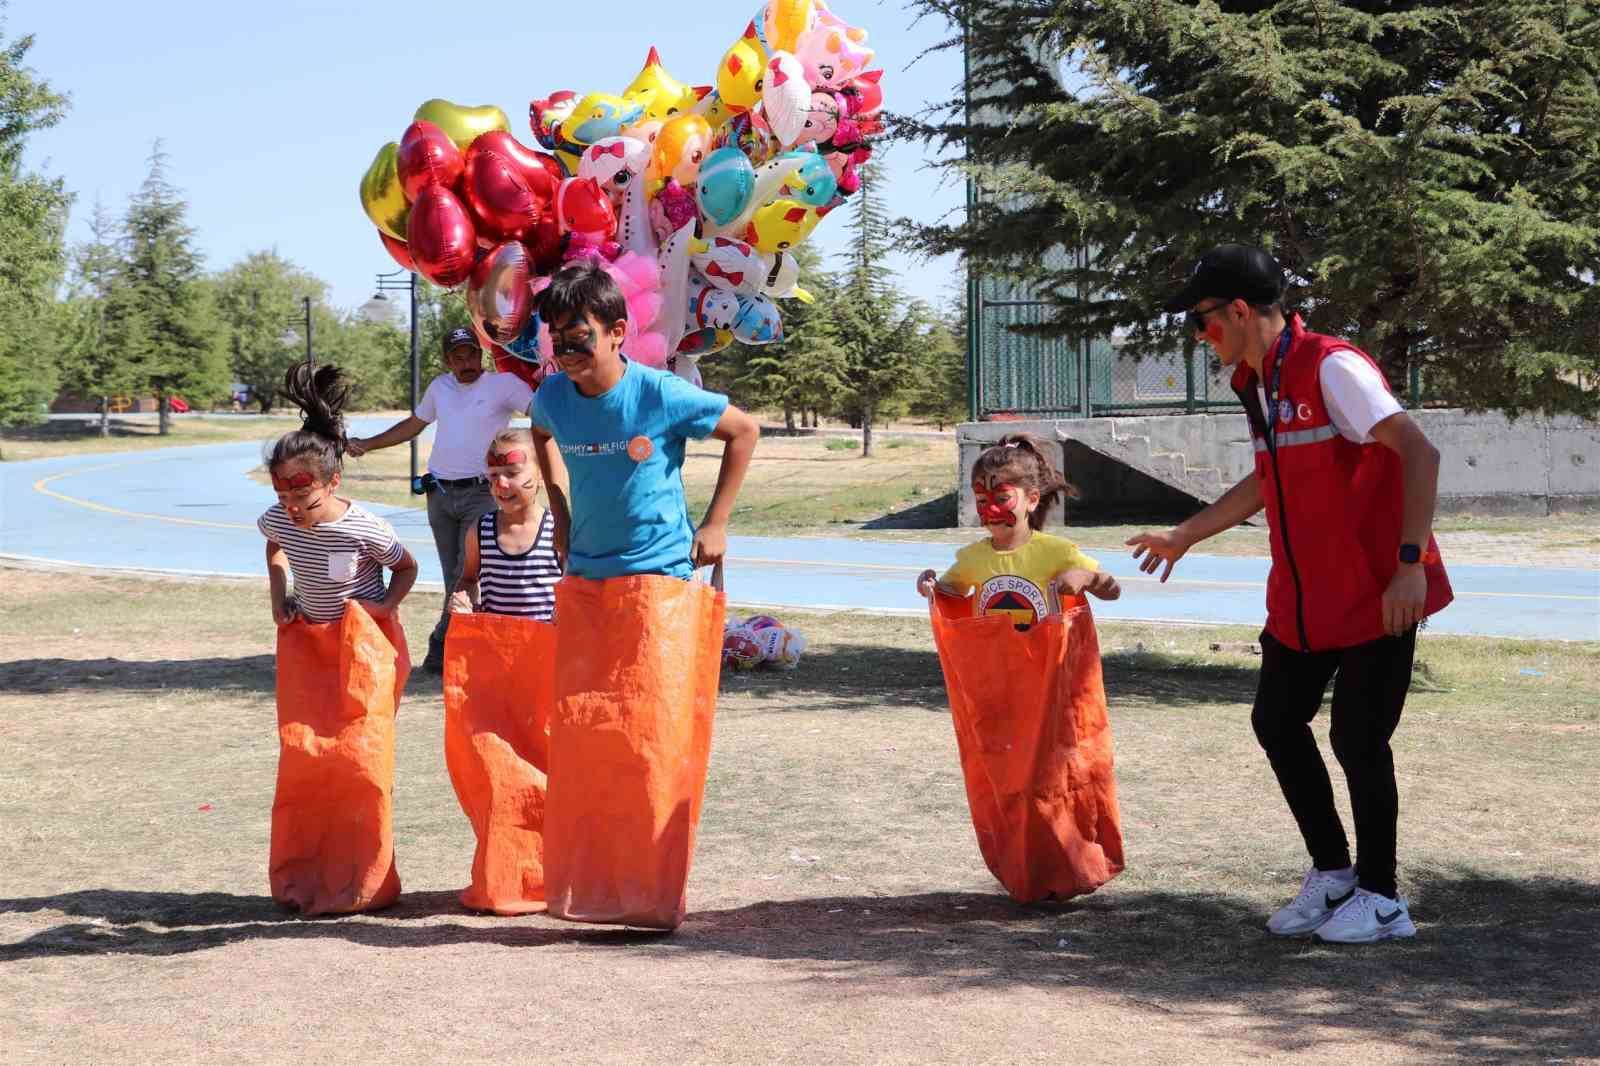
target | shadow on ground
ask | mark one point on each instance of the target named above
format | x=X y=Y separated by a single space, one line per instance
x=937 y=513
x=251 y=673
x=1501 y=969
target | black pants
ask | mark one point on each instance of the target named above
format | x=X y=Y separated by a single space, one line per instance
x=1368 y=695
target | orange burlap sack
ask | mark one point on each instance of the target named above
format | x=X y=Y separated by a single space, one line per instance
x=1030 y=719
x=339 y=684
x=499 y=675
x=636 y=688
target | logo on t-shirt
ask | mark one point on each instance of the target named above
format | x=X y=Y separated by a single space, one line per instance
x=1015 y=597
x=610 y=447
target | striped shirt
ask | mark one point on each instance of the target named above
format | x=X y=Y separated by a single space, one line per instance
x=523 y=584
x=334 y=562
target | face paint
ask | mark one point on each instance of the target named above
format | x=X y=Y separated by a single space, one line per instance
x=293 y=481
x=997 y=505
x=506 y=458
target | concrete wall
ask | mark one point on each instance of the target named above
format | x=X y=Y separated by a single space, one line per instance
x=1171 y=464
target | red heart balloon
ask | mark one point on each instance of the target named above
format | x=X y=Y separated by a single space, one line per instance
x=544 y=241
x=427 y=156
x=441 y=237
x=506 y=363
x=539 y=169
x=508 y=186
x=398 y=250
x=498 y=297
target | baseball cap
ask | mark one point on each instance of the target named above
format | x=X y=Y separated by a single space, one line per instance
x=460 y=337
x=1231 y=272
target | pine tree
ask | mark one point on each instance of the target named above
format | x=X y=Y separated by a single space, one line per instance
x=33 y=211
x=172 y=338
x=1428 y=172
x=873 y=327
x=91 y=366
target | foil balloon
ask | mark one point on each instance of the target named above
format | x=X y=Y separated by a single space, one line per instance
x=679 y=150
x=634 y=232
x=732 y=265
x=710 y=307
x=544 y=243
x=832 y=51
x=614 y=162
x=427 y=157
x=740 y=74
x=701 y=342
x=545 y=117
x=811 y=182
x=725 y=185
x=587 y=219
x=441 y=238
x=757 y=321
x=784 y=22
x=596 y=117
x=462 y=125
x=398 y=249
x=382 y=196
x=714 y=110
x=782 y=277
x=782 y=224
x=786 y=97
x=499 y=300
x=508 y=186
x=673 y=263
x=659 y=93
x=687 y=367
x=672 y=209
x=822 y=120
x=539 y=169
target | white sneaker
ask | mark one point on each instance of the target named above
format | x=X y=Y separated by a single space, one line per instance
x=1322 y=893
x=1368 y=918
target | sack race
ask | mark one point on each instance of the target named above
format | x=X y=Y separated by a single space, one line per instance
x=339 y=684
x=629 y=742
x=498 y=676
x=1029 y=709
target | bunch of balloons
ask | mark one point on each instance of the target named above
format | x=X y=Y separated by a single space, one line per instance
x=691 y=197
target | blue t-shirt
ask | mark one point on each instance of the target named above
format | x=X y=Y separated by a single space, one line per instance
x=624 y=455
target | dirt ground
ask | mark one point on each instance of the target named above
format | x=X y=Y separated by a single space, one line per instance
x=840 y=911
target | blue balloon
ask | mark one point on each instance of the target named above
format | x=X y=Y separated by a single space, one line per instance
x=758 y=321
x=815 y=185
x=726 y=183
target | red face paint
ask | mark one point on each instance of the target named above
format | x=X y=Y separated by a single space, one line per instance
x=301 y=480
x=506 y=458
x=997 y=506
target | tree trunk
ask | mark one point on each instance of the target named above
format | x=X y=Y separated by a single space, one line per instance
x=265 y=400
x=105 y=416
x=788 y=415
x=866 y=431
x=164 y=406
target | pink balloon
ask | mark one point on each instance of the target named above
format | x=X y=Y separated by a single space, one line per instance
x=441 y=238
x=499 y=298
x=427 y=156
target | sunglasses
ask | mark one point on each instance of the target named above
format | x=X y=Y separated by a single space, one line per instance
x=1196 y=319
x=506 y=458
x=301 y=480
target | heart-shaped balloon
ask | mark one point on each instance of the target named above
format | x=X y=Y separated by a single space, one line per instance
x=507 y=186
x=541 y=170
x=398 y=250
x=441 y=237
x=463 y=125
x=544 y=242
x=382 y=197
x=427 y=157
x=498 y=297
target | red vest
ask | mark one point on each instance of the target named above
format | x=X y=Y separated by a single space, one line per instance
x=1333 y=508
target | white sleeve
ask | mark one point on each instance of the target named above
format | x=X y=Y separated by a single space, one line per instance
x=1356 y=395
x=428 y=406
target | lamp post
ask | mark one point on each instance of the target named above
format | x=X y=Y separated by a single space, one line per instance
x=392 y=282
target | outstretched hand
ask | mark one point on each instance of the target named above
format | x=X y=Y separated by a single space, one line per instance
x=1153 y=549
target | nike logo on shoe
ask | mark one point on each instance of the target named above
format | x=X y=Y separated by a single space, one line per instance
x=1333 y=902
x=1385 y=919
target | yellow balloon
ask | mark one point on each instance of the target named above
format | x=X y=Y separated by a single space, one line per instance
x=462 y=124
x=786 y=21
x=740 y=72
x=782 y=224
x=659 y=93
x=381 y=195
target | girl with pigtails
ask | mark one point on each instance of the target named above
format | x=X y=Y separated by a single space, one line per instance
x=1018 y=570
x=341 y=666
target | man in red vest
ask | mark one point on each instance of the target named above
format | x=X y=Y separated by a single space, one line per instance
x=1348 y=482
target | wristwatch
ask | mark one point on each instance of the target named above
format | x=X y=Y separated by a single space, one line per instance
x=1411 y=554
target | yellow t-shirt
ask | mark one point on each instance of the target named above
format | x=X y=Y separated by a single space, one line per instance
x=1016 y=582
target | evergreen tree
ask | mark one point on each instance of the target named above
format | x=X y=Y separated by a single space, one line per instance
x=33 y=211
x=91 y=366
x=259 y=302
x=170 y=334
x=1428 y=172
x=875 y=330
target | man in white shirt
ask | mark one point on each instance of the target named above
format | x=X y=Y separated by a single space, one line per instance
x=470 y=407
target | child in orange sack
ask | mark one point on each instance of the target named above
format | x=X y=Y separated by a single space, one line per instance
x=510 y=565
x=1018 y=570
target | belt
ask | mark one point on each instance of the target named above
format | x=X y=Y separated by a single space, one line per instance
x=461 y=482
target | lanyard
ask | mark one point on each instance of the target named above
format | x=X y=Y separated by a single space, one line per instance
x=1272 y=394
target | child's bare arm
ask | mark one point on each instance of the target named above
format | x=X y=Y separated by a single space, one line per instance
x=554 y=472
x=1079 y=580
x=405 y=575
x=464 y=597
x=278 y=580
x=739 y=433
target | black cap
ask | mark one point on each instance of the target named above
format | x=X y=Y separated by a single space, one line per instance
x=460 y=337
x=1232 y=272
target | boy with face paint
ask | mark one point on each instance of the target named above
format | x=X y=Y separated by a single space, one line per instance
x=510 y=566
x=1018 y=571
x=621 y=429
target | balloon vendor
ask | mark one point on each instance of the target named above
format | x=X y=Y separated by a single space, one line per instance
x=510 y=565
x=1018 y=570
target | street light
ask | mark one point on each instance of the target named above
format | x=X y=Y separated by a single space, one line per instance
x=391 y=282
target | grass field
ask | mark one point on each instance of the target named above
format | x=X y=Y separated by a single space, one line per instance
x=840 y=911
x=50 y=439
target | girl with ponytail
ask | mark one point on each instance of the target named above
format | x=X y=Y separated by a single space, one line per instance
x=334 y=550
x=1017 y=569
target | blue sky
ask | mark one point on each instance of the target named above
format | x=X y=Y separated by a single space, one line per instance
x=270 y=113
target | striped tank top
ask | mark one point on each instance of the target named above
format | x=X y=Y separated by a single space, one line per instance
x=522 y=584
